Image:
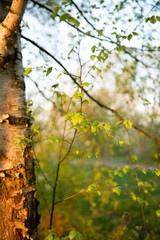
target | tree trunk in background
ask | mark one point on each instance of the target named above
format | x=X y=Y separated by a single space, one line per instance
x=18 y=204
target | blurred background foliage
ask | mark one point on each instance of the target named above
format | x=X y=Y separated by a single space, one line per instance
x=113 y=46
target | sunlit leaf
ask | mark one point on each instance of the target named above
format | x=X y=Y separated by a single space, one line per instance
x=128 y=123
x=92 y=57
x=85 y=84
x=134 y=158
x=27 y=71
x=87 y=102
x=158 y=213
x=72 y=234
x=76 y=118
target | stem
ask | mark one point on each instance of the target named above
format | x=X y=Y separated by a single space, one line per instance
x=54 y=194
x=59 y=163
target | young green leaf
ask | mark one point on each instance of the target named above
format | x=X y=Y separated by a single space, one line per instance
x=74 y=21
x=119 y=48
x=93 y=48
x=134 y=158
x=76 y=118
x=85 y=84
x=64 y=17
x=27 y=71
x=158 y=213
x=107 y=127
x=49 y=70
x=55 y=85
x=87 y=102
x=129 y=37
x=16 y=139
x=92 y=57
x=135 y=33
x=78 y=236
x=72 y=234
x=158 y=18
x=56 y=10
x=128 y=123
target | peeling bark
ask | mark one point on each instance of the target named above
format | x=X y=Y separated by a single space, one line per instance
x=18 y=203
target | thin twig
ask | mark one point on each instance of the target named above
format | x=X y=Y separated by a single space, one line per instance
x=88 y=94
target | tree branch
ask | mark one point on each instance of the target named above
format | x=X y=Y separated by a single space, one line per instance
x=88 y=94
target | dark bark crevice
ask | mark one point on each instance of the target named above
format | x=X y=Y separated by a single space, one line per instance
x=14 y=120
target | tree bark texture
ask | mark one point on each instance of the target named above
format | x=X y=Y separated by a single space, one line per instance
x=18 y=203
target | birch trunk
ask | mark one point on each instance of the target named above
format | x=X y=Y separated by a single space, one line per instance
x=18 y=204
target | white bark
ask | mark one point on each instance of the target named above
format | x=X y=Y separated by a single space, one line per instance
x=18 y=204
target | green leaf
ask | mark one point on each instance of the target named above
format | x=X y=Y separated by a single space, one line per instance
x=64 y=2
x=143 y=170
x=107 y=126
x=49 y=70
x=51 y=139
x=133 y=196
x=105 y=55
x=58 y=139
x=134 y=158
x=74 y=21
x=78 y=236
x=76 y=118
x=56 y=10
x=92 y=57
x=157 y=172
x=85 y=84
x=15 y=139
x=128 y=123
x=126 y=169
x=64 y=17
x=119 y=48
x=135 y=33
x=156 y=155
x=27 y=71
x=55 y=85
x=121 y=142
x=70 y=51
x=158 y=213
x=129 y=37
x=78 y=95
x=87 y=102
x=135 y=233
x=21 y=143
x=158 y=18
x=49 y=237
x=93 y=129
x=59 y=75
x=116 y=190
x=138 y=228
x=152 y=20
x=97 y=155
x=72 y=234
x=100 y=32
x=89 y=155
x=93 y=48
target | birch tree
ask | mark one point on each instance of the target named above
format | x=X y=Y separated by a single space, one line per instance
x=18 y=204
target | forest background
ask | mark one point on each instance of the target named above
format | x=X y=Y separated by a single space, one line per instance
x=93 y=90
